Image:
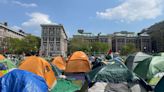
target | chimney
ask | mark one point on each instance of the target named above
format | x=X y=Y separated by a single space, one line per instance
x=5 y=24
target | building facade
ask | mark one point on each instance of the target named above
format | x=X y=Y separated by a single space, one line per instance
x=7 y=32
x=94 y=38
x=53 y=40
x=141 y=41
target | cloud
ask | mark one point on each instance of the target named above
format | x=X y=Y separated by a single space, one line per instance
x=25 y=4
x=32 y=25
x=133 y=10
x=37 y=19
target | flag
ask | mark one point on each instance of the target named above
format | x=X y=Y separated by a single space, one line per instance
x=109 y=55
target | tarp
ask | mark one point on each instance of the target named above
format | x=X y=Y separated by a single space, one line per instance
x=22 y=81
x=59 y=62
x=65 y=86
x=40 y=67
x=133 y=59
x=78 y=62
x=150 y=67
x=1 y=57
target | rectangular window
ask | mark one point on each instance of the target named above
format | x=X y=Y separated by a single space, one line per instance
x=44 y=38
x=58 y=39
x=51 y=38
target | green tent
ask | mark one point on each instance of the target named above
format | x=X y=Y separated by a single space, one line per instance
x=9 y=63
x=133 y=59
x=159 y=54
x=159 y=87
x=113 y=72
x=150 y=67
x=64 y=85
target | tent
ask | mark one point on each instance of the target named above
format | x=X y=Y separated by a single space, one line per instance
x=133 y=59
x=113 y=78
x=78 y=62
x=159 y=87
x=159 y=54
x=40 y=67
x=9 y=63
x=65 y=85
x=112 y=72
x=56 y=70
x=22 y=81
x=1 y=57
x=59 y=62
x=1 y=74
x=150 y=67
x=6 y=65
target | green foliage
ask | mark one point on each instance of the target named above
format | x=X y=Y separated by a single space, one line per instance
x=29 y=43
x=86 y=46
x=128 y=49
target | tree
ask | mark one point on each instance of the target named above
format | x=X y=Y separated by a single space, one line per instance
x=27 y=44
x=99 y=47
x=76 y=44
x=128 y=49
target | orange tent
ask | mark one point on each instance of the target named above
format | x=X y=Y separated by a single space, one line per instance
x=59 y=62
x=40 y=67
x=1 y=57
x=1 y=74
x=78 y=62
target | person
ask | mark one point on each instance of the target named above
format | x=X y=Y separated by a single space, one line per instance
x=91 y=58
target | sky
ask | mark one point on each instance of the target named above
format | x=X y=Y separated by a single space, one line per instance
x=105 y=16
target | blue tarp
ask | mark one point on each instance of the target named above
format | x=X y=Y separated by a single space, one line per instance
x=22 y=81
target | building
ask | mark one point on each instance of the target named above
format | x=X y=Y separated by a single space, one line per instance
x=7 y=32
x=94 y=38
x=157 y=38
x=142 y=41
x=53 y=40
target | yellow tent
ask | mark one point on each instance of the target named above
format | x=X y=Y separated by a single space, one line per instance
x=78 y=62
x=59 y=62
x=1 y=57
x=40 y=67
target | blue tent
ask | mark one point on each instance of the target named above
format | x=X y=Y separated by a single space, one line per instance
x=22 y=81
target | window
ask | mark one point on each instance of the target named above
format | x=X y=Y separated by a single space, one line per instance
x=58 y=39
x=51 y=39
x=51 y=46
x=44 y=38
x=51 y=32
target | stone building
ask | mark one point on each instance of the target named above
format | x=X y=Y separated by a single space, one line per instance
x=7 y=32
x=94 y=38
x=141 y=41
x=53 y=40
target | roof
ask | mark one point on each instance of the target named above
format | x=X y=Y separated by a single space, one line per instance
x=12 y=30
x=144 y=34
